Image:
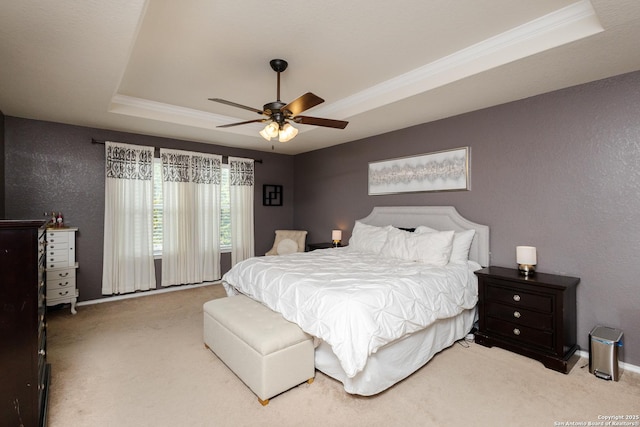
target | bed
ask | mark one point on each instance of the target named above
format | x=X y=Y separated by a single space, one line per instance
x=383 y=306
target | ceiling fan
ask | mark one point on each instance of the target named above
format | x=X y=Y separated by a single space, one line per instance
x=278 y=114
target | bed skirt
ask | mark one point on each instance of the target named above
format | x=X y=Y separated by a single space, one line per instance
x=397 y=360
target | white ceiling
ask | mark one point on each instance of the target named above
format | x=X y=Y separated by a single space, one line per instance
x=149 y=66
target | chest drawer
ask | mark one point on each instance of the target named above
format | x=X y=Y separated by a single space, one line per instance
x=61 y=283
x=520 y=334
x=65 y=289
x=519 y=298
x=57 y=237
x=520 y=316
x=60 y=274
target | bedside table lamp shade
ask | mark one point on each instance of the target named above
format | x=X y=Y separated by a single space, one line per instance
x=527 y=259
x=336 y=237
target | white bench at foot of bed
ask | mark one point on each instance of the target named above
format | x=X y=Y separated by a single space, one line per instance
x=268 y=353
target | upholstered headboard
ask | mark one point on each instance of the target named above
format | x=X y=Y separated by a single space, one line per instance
x=437 y=217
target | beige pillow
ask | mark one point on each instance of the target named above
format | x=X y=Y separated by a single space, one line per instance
x=287 y=246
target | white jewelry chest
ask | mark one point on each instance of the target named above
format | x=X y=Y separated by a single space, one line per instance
x=60 y=266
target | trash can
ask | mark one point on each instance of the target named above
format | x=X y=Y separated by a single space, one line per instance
x=604 y=343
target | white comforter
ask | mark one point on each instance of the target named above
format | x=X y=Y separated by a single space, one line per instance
x=356 y=302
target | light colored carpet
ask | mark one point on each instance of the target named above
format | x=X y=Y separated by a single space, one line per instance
x=142 y=362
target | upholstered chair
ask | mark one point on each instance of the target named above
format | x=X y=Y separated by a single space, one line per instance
x=288 y=241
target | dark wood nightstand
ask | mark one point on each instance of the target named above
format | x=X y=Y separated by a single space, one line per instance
x=323 y=245
x=534 y=316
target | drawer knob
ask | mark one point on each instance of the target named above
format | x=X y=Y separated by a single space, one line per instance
x=516 y=297
x=516 y=331
x=516 y=314
x=42 y=353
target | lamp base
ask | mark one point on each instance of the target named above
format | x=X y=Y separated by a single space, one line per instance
x=336 y=243
x=526 y=269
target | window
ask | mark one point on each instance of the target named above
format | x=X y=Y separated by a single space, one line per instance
x=225 y=208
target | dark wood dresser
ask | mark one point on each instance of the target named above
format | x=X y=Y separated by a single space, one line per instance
x=23 y=336
x=534 y=316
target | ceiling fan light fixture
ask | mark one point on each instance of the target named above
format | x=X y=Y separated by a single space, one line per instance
x=264 y=134
x=270 y=131
x=287 y=133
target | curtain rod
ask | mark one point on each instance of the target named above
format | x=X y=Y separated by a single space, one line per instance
x=224 y=158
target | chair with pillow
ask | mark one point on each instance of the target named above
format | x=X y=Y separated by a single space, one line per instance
x=288 y=242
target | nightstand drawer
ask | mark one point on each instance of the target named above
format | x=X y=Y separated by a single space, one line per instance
x=518 y=298
x=520 y=333
x=520 y=316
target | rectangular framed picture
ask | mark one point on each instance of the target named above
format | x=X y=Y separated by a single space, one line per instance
x=271 y=195
x=440 y=171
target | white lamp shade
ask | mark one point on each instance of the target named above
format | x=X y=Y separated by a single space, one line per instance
x=336 y=235
x=526 y=255
x=287 y=133
x=272 y=129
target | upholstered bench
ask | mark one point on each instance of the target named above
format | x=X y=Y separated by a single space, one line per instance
x=268 y=353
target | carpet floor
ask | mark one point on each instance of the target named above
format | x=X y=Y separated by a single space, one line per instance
x=142 y=362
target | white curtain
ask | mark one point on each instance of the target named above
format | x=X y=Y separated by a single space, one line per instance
x=128 y=219
x=190 y=217
x=241 y=179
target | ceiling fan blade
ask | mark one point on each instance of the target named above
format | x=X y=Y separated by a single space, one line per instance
x=242 y=123
x=317 y=121
x=303 y=103
x=234 y=104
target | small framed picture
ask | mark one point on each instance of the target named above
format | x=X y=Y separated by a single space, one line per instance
x=271 y=195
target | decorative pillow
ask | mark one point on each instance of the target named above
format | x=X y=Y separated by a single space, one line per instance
x=287 y=246
x=431 y=248
x=408 y=229
x=425 y=229
x=461 y=244
x=368 y=238
x=396 y=245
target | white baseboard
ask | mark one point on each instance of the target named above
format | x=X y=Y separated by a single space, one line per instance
x=625 y=366
x=146 y=293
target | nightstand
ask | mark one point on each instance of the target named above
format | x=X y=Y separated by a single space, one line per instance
x=534 y=316
x=323 y=245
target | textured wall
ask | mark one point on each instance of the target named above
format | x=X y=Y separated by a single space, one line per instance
x=51 y=166
x=559 y=171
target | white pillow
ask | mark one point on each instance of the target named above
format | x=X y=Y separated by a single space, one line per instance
x=461 y=243
x=396 y=245
x=424 y=229
x=368 y=238
x=287 y=246
x=433 y=248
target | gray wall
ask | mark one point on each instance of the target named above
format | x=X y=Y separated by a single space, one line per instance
x=559 y=171
x=52 y=166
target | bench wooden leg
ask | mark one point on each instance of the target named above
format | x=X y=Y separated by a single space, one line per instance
x=263 y=402
x=310 y=380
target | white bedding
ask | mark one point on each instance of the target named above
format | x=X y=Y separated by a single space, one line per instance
x=354 y=301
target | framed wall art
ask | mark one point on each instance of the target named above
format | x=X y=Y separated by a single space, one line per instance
x=271 y=195
x=440 y=171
